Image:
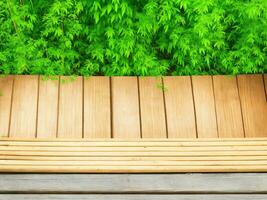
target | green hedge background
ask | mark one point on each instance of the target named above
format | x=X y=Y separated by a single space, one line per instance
x=133 y=37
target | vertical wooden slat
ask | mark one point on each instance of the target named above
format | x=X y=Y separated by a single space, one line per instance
x=47 y=108
x=179 y=107
x=254 y=106
x=70 y=115
x=97 y=117
x=265 y=82
x=152 y=108
x=229 y=116
x=204 y=106
x=24 y=107
x=6 y=85
x=125 y=107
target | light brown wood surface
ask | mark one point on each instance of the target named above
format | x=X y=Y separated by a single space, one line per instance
x=254 y=106
x=48 y=107
x=228 y=109
x=125 y=107
x=131 y=124
x=265 y=84
x=178 y=156
x=97 y=110
x=70 y=115
x=204 y=106
x=24 y=106
x=131 y=107
x=6 y=86
x=152 y=107
x=179 y=107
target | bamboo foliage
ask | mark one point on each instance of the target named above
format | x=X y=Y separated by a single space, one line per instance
x=129 y=37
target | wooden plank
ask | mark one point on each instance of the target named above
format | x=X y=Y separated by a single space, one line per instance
x=47 y=108
x=265 y=83
x=97 y=115
x=138 y=142
x=6 y=85
x=121 y=148
x=204 y=106
x=133 y=197
x=179 y=107
x=194 y=152
x=132 y=139
x=130 y=164
x=152 y=108
x=24 y=107
x=131 y=158
x=228 y=109
x=70 y=115
x=137 y=154
x=254 y=106
x=125 y=107
x=248 y=183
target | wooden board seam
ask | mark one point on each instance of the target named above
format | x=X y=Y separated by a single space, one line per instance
x=214 y=98
x=194 y=106
x=242 y=118
x=139 y=107
x=10 y=114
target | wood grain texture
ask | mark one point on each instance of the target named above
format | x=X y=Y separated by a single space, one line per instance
x=247 y=183
x=128 y=107
x=228 y=109
x=254 y=105
x=132 y=197
x=179 y=107
x=24 y=107
x=132 y=158
x=47 y=108
x=152 y=108
x=70 y=115
x=125 y=107
x=136 y=157
x=97 y=115
x=204 y=106
x=265 y=83
x=6 y=85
